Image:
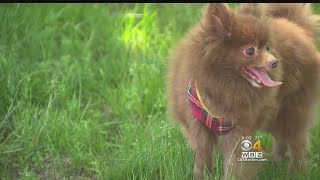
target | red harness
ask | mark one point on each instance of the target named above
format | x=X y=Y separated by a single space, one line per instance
x=216 y=124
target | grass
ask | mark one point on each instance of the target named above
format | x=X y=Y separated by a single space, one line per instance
x=82 y=93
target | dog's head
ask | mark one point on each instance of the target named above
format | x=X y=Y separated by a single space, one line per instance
x=239 y=42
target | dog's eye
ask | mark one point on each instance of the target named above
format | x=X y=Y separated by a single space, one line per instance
x=249 y=51
x=268 y=46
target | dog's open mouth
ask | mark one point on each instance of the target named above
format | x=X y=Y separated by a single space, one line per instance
x=258 y=77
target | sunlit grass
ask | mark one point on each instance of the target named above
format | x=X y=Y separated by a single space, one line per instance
x=83 y=93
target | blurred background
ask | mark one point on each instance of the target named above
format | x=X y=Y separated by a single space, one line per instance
x=82 y=94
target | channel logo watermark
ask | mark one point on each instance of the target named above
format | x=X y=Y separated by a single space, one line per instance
x=252 y=152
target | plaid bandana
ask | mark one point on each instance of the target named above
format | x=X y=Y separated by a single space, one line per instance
x=216 y=124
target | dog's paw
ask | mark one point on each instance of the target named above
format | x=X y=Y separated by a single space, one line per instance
x=296 y=167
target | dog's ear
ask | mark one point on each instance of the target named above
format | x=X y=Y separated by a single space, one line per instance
x=219 y=17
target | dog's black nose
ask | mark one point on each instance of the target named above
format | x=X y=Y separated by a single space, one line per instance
x=274 y=63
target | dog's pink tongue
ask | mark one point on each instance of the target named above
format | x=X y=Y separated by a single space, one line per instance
x=264 y=77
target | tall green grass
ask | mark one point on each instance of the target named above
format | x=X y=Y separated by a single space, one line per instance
x=82 y=93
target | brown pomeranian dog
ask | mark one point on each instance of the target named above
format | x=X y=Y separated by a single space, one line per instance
x=236 y=72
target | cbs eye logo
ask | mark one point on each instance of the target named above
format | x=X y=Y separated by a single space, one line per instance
x=246 y=145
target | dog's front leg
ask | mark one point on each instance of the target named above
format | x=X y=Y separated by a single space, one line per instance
x=230 y=147
x=201 y=140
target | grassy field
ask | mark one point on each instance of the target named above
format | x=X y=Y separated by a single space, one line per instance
x=82 y=94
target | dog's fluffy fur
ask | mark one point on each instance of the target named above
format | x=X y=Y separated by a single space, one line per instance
x=212 y=55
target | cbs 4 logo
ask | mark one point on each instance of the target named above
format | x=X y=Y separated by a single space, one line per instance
x=246 y=145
